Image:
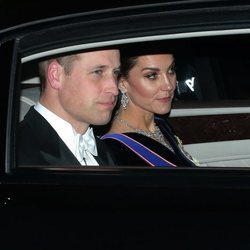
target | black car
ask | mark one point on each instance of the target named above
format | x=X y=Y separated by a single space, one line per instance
x=123 y=207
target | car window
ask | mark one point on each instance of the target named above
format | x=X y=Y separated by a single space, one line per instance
x=213 y=78
x=211 y=111
x=211 y=102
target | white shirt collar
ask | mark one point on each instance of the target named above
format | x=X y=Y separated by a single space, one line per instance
x=66 y=132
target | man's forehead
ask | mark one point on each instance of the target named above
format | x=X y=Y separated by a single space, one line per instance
x=101 y=58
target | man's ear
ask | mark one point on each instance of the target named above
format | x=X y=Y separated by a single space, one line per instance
x=54 y=71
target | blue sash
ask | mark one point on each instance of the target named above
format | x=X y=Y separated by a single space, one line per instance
x=145 y=153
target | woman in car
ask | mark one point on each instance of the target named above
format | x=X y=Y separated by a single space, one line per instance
x=137 y=135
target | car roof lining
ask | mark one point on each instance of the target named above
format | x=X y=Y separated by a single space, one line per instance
x=185 y=44
x=86 y=46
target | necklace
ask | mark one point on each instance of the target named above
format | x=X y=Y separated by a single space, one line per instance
x=156 y=135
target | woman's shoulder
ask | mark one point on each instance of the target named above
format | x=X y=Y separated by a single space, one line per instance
x=120 y=136
x=120 y=145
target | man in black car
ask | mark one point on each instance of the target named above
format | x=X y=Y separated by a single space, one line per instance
x=76 y=91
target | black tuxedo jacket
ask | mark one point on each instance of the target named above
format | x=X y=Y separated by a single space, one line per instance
x=39 y=144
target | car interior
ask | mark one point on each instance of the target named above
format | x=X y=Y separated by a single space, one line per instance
x=209 y=113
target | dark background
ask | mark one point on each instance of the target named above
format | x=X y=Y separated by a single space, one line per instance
x=14 y=12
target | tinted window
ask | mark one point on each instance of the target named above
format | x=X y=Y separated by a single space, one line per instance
x=214 y=69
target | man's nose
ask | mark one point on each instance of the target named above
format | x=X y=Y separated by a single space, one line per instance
x=113 y=85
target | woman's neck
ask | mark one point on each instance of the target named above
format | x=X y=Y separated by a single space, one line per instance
x=128 y=121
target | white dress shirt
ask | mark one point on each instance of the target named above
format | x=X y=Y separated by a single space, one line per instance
x=82 y=146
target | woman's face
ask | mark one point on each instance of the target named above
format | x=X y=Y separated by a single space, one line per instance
x=151 y=83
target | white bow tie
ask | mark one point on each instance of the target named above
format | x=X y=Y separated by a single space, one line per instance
x=87 y=143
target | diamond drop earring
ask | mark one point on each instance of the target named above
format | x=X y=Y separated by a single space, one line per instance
x=124 y=100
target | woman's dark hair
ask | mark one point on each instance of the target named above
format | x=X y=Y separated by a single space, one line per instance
x=129 y=56
x=127 y=63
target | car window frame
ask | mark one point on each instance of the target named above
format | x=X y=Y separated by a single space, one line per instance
x=24 y=55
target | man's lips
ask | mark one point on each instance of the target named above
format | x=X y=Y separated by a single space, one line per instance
x=107 y=104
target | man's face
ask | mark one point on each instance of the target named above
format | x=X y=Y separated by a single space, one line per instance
x=88 y=95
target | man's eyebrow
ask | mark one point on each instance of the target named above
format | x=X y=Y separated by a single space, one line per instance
x=99 y=66
x=103 y=66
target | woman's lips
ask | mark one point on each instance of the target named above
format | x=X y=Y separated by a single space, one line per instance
x=165 y=99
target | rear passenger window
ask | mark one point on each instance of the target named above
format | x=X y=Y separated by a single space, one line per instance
x=213 y=78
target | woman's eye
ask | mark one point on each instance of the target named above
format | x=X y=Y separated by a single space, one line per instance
x=172 y=70
x=151 y=76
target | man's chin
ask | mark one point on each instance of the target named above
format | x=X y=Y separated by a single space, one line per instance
x=102 y=121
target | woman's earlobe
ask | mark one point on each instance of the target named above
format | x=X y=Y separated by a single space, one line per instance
x=121 y=85
x=122 y=89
